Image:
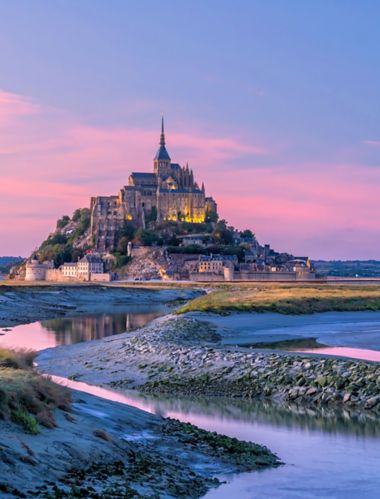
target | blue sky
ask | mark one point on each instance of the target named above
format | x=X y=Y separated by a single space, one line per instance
x=298 y=80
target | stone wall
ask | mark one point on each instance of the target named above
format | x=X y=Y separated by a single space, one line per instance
x=272 y=276
x=104 y=277
x=206 y=277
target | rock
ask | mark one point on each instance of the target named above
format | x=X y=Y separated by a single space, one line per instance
x=372 y=402
x=322 y=381
x=346 y=397
x=311 y=391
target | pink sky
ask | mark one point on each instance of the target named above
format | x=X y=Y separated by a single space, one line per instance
x=52 y=162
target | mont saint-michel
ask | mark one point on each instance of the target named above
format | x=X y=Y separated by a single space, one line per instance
x=170 y=192
x=161 y=225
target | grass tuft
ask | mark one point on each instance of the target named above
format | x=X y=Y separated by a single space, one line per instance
x=27 y=398
x=16 y=359
x=27 y=421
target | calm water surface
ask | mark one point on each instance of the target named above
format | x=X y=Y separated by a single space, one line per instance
x=64 y=331
x=327 y=454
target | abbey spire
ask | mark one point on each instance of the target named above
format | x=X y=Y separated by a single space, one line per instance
x=162 y=159
x=162 y=137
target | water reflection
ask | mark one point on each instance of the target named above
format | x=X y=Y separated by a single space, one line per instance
x=315 y=445
x=353 y=353
x=95 y=327
x=64 y=331
x=288 y=415
x=285 y=415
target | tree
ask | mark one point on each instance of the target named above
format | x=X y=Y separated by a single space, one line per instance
x=54 y=239
x=77 y=215
x=83 y=218
x=59 y=253
x=122 y=245
x=152 y=215
x=221 y=234
x=146 y=237
x=247 y=234
x=123 y=235
x=211 y=216
x=76 y=254
x=62 y=222
x=120 y=261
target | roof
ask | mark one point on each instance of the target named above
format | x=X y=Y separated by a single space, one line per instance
x=162 y=154
x=181 y=191
x=143 y=175
x=193 y=236
x=91 y=259
x=217 y=258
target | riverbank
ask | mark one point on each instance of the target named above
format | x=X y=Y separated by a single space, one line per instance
x=286 y=299
x=185 y=348
x=62 y=443
x=185 y=356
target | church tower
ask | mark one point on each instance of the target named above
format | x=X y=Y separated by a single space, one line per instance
x=162 y=160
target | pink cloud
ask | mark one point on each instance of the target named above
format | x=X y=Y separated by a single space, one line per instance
x=310 y=209
x=51 y=163
x=375 y=143
x=13 y=106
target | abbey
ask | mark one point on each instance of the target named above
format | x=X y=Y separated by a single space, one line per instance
x=168 y=193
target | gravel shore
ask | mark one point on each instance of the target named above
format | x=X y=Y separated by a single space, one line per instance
x=185 y=356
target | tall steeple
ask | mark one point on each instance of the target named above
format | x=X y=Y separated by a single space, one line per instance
x=162 y=160
x=162 y=137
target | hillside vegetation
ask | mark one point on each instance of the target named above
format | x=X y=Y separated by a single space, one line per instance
x=27 y=398
x=286 y=299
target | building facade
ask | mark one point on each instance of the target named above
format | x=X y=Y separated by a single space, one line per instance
x=170 y=192
x=36 y=271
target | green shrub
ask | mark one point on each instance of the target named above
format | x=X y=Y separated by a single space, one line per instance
x=26 y=397
x=27 y=421
x=83 y=218
x=62 y=222
x=121 y=260
x=16 y=359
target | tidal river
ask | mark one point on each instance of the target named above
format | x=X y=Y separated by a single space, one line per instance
x=327 y=454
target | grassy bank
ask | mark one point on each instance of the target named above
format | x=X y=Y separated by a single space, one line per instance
x=286 y=299
x=26 y=398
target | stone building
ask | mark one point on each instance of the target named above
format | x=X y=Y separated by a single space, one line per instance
x=36 y=271
x=88 y=266
x=214 y=264
x=170 y=192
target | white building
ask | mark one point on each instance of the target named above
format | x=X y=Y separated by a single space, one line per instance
x=69 y=270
